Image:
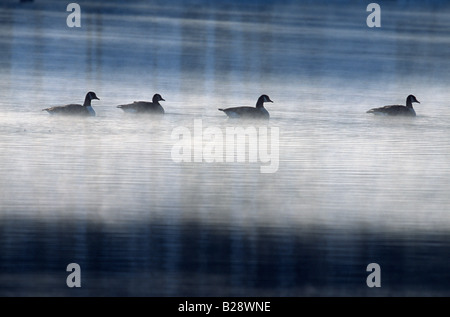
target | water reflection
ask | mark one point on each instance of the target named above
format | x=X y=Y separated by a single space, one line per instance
x=193 y=258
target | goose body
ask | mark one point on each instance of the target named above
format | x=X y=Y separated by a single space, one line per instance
x=75 y=109
x=145 y=106
x=397 y=110
x=258 y=112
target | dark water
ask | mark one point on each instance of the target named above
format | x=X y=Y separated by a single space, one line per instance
x=346 y=188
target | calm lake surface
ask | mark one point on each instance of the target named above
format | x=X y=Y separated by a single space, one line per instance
x=109 y=192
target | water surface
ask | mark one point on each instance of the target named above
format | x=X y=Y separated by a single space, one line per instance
x=105 y=192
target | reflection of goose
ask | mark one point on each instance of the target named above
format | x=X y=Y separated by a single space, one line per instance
x=145 y=106
x=397 y=110
x=75 y=109
x=249 y=112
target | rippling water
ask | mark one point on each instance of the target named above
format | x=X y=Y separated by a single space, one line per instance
x=348 y=189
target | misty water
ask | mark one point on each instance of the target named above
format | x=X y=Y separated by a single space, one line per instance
x=347 y=188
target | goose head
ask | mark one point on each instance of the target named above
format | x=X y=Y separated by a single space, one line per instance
x=157 y=98
x=265 y=98
x=91 y=95
x=411 y=99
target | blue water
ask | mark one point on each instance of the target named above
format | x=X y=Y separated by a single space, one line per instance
x=107 y=193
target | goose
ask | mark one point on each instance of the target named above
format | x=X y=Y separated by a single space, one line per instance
x=75 y=109
x=397 y=110
x=259 y=112
x=145 y=106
